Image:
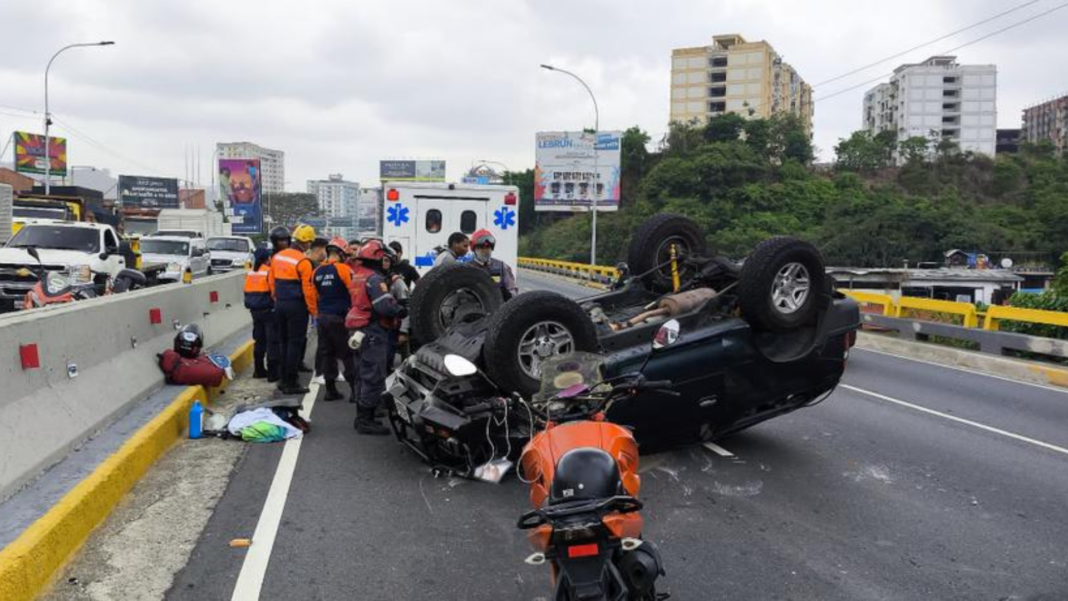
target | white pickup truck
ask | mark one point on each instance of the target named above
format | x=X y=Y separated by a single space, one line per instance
x=81 y=251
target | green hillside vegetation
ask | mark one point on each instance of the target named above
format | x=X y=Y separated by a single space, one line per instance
x=745 y=180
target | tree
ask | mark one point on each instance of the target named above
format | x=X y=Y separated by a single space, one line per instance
x=914 y=149
x=1060 y=281
x=859 y=153
x=724 y=128
x=287 y=208
x=524 y=180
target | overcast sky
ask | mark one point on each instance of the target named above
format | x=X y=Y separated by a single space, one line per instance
x=340 y=84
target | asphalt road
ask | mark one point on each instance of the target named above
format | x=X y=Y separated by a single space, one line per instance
x=912 y=481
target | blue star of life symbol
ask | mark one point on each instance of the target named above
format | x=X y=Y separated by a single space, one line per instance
x=397 y=214
x=504 y=218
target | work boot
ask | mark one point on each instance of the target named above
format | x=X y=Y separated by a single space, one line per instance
x=332 y=393
x=259 y=373
x=292 y=388
x=367 y=424
x=303 y=368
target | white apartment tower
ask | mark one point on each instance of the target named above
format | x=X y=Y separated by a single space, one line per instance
x=938 y=98
x=272 y=162
x=337 y=200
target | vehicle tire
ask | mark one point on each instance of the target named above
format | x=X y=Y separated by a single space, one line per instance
x=551 y=324
x=781 y=284
x=445 y=293
x=651 y=246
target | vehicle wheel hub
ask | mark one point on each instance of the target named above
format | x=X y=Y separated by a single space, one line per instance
x=791 y=288
x=456 y=300
x=542 y=341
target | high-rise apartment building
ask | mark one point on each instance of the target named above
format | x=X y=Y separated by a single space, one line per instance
x=1047 y=121
x=272 y=162
x=736 y=76
x=338 y=201
x=940 y=99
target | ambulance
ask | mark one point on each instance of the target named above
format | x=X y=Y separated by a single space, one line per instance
x=422 y=216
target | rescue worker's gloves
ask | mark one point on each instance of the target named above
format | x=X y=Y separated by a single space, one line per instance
x=305 y=234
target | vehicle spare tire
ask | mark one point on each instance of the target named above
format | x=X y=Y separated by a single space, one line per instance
x=529 y=329
x=781 y=284
x=447 y=293
x=650 y=246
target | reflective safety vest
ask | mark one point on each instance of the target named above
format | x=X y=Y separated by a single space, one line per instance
x=257 y=290
x=362 y=313
x=290 y=279
x=332 y=283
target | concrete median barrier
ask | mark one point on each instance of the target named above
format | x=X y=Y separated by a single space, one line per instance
x=70 y=370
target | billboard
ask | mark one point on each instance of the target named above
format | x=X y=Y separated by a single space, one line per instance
x=30 y=151
x=240 y=188
x=412 y=171
x=564 y=175
x=148 y=192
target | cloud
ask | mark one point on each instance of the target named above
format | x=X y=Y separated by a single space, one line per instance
x=339 y=85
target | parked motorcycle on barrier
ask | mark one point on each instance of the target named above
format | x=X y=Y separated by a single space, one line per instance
x=54 y=288
x=584 y=483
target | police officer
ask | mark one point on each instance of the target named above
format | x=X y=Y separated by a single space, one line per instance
x=290 y=281
x=260 y=304
x=333 y=284
x=374 y=314
x=483 y=244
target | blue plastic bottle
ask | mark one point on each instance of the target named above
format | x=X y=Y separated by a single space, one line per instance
x=196 y=420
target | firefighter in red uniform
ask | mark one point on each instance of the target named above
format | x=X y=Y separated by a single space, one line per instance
x=374 y=314
x=333 y=284
x=290 y=282
x=260 y=304
x=483 y=243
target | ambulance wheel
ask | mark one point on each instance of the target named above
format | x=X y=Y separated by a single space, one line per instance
x=447 y=294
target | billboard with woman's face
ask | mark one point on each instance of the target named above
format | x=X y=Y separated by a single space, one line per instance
x=240 y=188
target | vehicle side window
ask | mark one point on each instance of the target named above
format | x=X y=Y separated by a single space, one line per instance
x=110 y=243
x=468 y=222
x=433 y=221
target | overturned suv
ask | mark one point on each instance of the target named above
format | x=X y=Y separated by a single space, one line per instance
x=757 y=339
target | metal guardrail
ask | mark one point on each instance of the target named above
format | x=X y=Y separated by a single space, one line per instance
x=989 y=341
x=890 y=308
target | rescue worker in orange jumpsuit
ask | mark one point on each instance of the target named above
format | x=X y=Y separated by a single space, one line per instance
x=483 y=243
x=374 y=314
x=333 y=285
x=260 y=304
x=290 y=281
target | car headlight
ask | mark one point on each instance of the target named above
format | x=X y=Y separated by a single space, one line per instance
x=175 y=267
x=238 y=262
x=55 y=282
x=80 y=274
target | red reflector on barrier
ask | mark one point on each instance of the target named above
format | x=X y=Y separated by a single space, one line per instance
x=29 y=357
x=155 y=316
x=582 y=550
x=213 y=296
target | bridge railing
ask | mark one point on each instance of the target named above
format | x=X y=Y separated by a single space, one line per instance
x=579 y=271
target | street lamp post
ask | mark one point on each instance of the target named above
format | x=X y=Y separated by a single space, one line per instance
x=596 y=171
x=48 y=116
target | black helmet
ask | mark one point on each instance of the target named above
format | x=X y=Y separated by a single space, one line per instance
x=280 y=234
x=585 y=474
x=189 y=341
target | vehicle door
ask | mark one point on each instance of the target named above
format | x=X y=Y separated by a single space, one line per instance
x=198 y=257
x=114 y=262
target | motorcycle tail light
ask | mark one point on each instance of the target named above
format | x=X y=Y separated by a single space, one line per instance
x=588 y=550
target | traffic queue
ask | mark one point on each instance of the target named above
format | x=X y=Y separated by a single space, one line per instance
x=354 y=294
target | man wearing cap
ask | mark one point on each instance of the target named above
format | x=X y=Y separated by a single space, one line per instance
x=333 y=285
x=290 y=283
x=483 y=243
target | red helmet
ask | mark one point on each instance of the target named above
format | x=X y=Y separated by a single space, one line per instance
x=483 y=238
x=339 y=243
x=373 y=250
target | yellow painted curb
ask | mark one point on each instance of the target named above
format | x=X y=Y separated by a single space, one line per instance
x=29 y=563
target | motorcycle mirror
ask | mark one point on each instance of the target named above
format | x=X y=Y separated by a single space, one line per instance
x=459 y=367
x=667 y=335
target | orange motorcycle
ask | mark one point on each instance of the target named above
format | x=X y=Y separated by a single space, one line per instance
x=584 y=483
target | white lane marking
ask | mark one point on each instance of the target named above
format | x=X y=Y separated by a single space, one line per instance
x=718 y=450
x=254 y=569
x=959 y=420
x=970 y=372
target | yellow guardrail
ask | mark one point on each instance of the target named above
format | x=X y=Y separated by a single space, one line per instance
x=997 y=313
x=890 y=307
x=582 y=271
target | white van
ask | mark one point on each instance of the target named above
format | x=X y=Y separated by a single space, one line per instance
x=421 y=216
